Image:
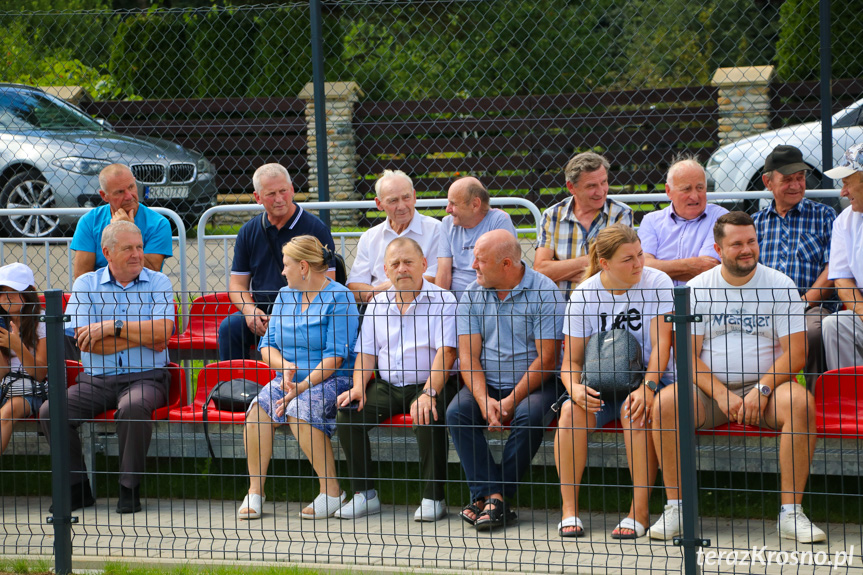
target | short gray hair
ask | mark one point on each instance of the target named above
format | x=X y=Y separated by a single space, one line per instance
x=390 y=174
x=584 y=162
x=110 y=171
x=269 y=171
x=680 y=161
x=110 y=233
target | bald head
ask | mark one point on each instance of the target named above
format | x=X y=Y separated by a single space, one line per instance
x=497 y=260
x=501 y=244
x=467 y=202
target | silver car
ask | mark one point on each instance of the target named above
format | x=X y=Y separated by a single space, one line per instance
x=51 y=154
x=738 y=166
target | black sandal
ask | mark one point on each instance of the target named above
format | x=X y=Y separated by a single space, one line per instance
x=500 y=516
x=476 y=508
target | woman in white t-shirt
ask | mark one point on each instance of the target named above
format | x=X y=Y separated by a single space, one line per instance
x=617 y=292
x=23 y=349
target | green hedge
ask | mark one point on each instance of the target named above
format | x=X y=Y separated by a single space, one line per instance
x=151 y=57
x=797 y=52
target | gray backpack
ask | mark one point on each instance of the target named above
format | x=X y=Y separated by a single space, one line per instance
x=612 y=364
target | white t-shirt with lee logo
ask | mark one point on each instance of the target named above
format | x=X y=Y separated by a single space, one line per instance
x=592 y=309
x=742 y=325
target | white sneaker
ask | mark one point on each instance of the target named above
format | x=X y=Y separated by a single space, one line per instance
x=668 y=526
x=359 y=507
x=795 y=525
x=430 y=510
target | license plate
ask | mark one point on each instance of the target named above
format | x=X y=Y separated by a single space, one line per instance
x=166 y=192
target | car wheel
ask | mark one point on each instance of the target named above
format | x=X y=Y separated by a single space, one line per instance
x=29 y=190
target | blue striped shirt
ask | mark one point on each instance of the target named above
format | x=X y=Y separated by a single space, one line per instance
x=797 y=245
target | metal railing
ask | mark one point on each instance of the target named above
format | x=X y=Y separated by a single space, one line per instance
x=46 y=243
x=203 y=237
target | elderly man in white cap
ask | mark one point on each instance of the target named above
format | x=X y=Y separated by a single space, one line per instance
x=843 y=330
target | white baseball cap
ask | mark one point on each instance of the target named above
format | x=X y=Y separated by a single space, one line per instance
x=17 y=276
x=851 y=162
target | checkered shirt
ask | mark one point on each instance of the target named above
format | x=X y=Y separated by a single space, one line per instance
x=560 y=231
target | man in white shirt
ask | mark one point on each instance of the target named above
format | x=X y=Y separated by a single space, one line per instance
x=409 y=333
x=395 y=196
x=470 y=216
x=843 y=331
x=747 y=352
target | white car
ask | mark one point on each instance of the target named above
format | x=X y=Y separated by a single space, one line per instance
x=738 y=166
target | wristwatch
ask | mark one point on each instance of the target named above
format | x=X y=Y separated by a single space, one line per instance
x=118 y=326
x=429 y=391
x=651 y=385
x=765 y=390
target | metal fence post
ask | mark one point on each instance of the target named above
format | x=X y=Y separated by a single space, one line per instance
x=61 y=519
x=320 y=106
x=826 y=92
x=691 y=539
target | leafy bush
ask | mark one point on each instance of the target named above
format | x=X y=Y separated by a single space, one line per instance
x=150 y=55
x=797 y=51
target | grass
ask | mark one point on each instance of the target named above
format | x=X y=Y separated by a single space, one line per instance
x=20 y=565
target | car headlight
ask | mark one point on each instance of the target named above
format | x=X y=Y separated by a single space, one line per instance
x=205 y=167
x=86 y=166
x=717 y=158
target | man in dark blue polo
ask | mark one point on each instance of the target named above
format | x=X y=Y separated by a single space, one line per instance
x=256 y=274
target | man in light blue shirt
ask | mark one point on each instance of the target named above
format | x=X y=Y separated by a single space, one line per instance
x=510 y=325
x=470 y=216
x=122 y=316
x=120 y=190
x=678 y=240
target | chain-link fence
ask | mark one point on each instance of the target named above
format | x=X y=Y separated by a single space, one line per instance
x=194 y=98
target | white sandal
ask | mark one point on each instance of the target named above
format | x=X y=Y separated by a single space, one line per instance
x=324 y=506
x=632 y=525
x=254 y=503
x=571 y=522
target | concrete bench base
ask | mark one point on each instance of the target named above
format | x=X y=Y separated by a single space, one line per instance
x=833 y=456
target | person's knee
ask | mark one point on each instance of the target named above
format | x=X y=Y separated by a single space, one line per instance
x=801 y=405
x=44 y=412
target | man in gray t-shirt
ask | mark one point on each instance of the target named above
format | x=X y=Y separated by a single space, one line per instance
x=470 y=216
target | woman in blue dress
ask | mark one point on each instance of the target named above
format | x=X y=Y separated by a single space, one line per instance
x=310 y=342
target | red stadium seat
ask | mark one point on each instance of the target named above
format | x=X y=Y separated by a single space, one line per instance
x=839 y=403
x=200 y=338
x=66 y=297
x=211 y=375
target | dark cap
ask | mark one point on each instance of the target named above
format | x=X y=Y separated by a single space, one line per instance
x=786 y=160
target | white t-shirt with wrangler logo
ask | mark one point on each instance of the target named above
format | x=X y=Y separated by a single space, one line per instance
x=742 y=325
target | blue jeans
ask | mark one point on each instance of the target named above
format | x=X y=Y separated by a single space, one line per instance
x=466 y=426
x=235 y=338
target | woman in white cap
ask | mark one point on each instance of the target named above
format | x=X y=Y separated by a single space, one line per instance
x=23 y=350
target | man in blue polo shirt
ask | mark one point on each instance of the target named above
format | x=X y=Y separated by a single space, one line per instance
x=119 y=188
x=122 y=316
x=256 y=274
x=510 y=325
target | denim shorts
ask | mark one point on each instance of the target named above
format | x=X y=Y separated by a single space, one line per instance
x=33 y=401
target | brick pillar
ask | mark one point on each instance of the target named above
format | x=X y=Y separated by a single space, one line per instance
x=341 y=147
x=744 y=101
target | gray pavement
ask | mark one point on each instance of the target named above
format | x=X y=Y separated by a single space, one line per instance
x=179 y=531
